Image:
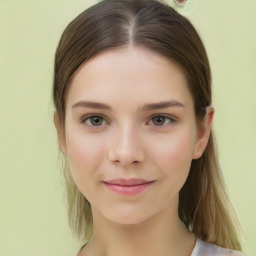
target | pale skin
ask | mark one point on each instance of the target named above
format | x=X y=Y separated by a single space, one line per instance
x=129 y=141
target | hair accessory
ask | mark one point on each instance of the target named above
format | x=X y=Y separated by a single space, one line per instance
x=180 y=3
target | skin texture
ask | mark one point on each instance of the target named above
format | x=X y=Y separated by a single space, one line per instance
x=128 y=142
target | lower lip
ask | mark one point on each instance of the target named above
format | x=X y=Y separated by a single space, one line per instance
x=128 y=190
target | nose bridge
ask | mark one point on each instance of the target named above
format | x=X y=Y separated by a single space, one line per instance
x=125 y=145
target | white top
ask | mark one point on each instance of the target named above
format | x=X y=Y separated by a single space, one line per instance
x=206 y=249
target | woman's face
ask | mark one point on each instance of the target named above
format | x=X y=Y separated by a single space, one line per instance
x=130 y=133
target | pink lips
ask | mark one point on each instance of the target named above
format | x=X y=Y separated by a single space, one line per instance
x=128 y=186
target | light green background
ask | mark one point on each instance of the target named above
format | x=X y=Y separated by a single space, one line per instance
x=33 y=217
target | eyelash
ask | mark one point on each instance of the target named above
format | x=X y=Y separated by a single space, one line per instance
x=87 y=117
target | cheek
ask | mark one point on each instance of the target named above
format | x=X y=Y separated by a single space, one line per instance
x=175 y=152
x=80 y=151
x=84 y=155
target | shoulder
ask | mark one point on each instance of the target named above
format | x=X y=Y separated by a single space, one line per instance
x=206 y=249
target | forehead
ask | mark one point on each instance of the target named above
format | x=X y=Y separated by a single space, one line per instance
x=129 y=73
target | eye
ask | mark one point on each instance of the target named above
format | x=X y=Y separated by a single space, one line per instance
x=161 y=120
x=94 y=120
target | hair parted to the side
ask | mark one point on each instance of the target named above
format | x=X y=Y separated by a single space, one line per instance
x=204 y=205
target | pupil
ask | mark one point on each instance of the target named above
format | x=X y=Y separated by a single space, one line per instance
x=159 y=120
x=96 y=120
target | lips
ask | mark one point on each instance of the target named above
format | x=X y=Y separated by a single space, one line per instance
x=128 y=182
x=128 y=187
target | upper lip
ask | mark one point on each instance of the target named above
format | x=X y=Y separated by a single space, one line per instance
x=127 y=182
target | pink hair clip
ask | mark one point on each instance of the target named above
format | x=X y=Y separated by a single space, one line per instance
x=180 y=3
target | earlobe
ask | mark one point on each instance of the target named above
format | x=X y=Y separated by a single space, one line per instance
x=61 y=134
x=203 y=133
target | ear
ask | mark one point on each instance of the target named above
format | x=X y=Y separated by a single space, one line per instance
x=203 y=133
x=61 y=134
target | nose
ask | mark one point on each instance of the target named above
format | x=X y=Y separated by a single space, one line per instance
x=126 y=147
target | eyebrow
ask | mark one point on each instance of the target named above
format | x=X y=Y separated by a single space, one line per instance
x=146 y=107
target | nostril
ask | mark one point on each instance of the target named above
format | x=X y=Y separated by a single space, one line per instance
x=126 y=154
x=125 y=161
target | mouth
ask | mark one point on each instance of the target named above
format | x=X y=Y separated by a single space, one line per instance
x=128 y=186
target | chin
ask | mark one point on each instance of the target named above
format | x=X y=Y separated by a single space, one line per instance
x=128 y=218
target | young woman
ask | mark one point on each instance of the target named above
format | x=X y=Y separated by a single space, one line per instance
x=132 y=91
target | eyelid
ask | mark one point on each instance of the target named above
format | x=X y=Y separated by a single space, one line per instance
x=88 y=116
x=172 y=120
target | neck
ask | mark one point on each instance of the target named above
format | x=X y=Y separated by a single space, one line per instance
x=162 y=234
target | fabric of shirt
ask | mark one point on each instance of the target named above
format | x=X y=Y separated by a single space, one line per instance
x=206 y=249
x=203 y=248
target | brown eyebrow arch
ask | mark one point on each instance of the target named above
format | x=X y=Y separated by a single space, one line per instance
x=146 y=107
x=90 y=104
x=160 y=105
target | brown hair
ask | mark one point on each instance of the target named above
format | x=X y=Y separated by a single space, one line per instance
x=204 y=205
